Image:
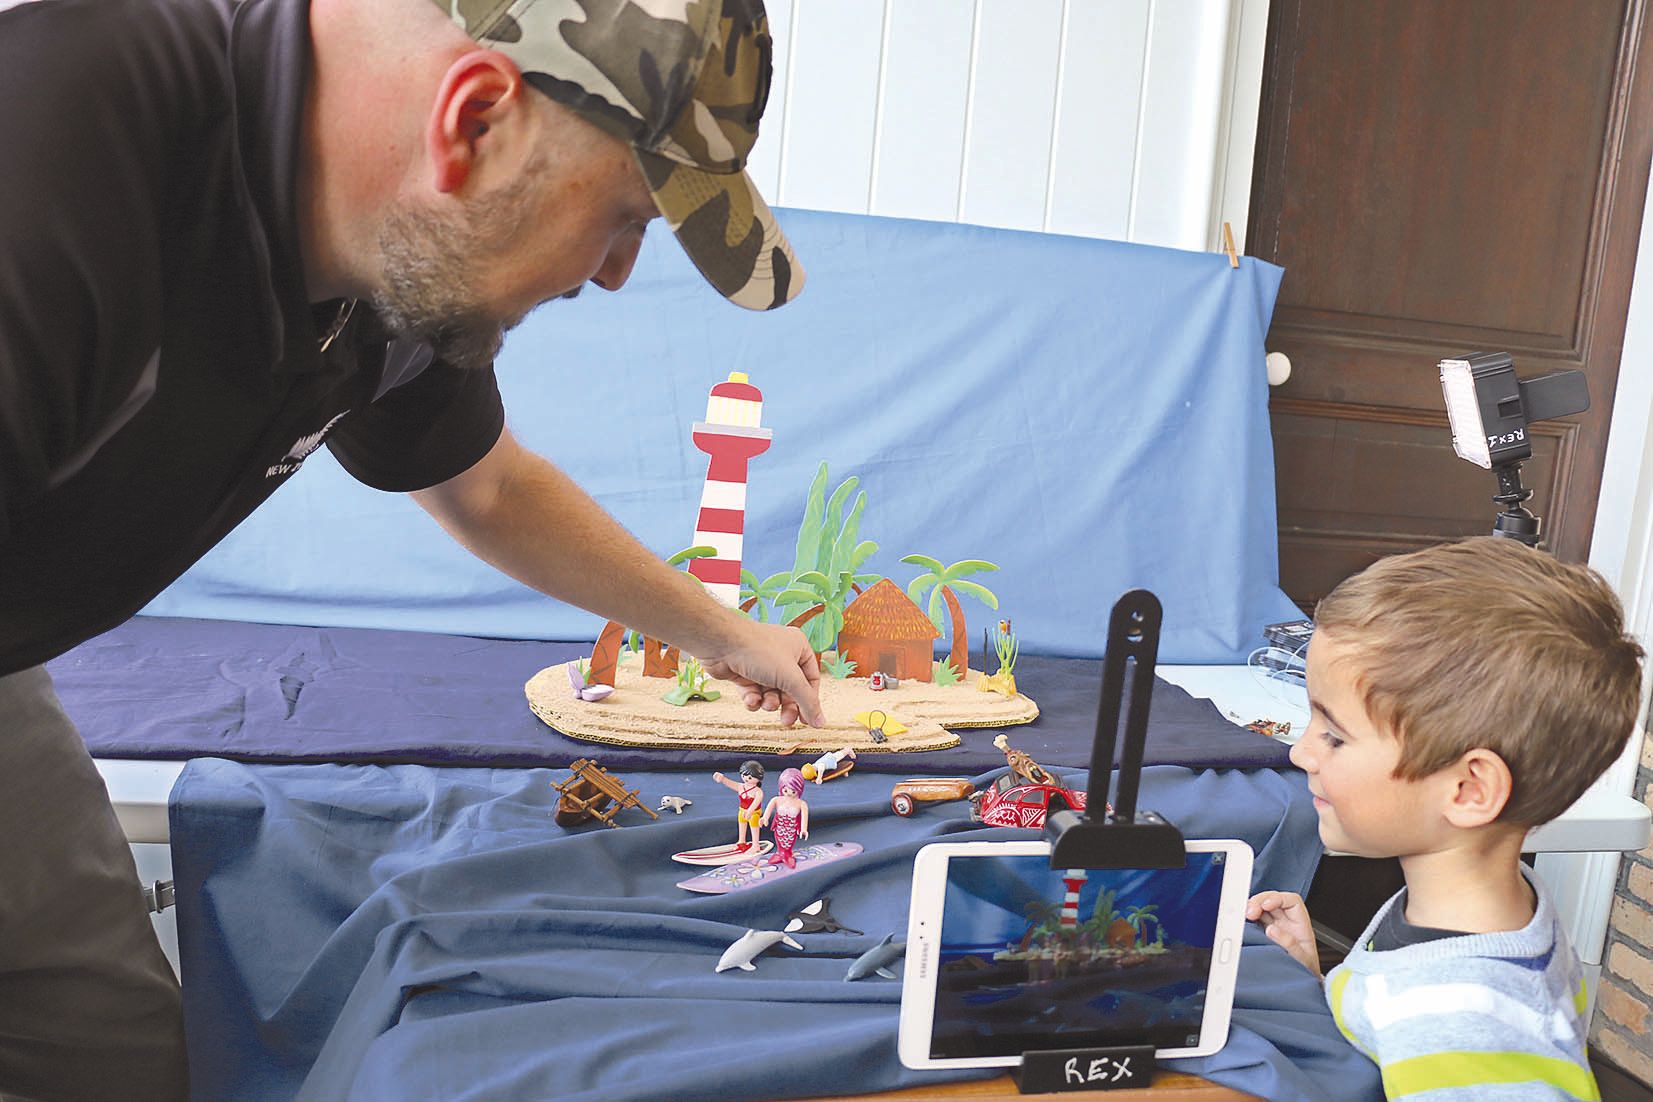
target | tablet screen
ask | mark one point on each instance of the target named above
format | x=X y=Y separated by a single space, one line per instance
x=1032 y=957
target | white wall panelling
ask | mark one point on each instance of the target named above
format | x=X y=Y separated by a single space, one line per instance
x=1092 y=170
x=924 y=95
x=831 y=103
x=1127 y=119
x=1007 y=140
x=1182 y=97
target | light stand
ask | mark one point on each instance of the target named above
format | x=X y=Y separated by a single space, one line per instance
x=1490 y=409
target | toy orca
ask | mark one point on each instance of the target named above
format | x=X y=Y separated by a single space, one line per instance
x=878 y=959
x=676 y=804
x=749 y=945
x=816 y=919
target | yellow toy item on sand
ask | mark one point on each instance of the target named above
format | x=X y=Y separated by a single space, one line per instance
x=1006 y=646
x=882 y=722
x=1003 y=683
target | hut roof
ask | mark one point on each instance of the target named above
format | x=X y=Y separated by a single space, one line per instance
x=884 y=612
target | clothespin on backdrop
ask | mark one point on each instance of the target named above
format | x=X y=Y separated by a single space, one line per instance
x=1228 y=246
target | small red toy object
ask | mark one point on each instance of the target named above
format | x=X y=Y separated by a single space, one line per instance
x=1022 y=796
x=879 y=681
x=1014 y=801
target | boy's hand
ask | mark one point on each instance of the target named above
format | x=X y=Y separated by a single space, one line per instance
x=1285 y=920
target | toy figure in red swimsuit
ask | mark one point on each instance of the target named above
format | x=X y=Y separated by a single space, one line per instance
x=791 y=815
x=750 y=792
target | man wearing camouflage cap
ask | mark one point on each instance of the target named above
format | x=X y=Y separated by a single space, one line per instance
x=233 y=230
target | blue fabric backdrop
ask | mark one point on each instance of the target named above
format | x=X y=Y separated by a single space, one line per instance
x=439 y=938
x=1090 y=415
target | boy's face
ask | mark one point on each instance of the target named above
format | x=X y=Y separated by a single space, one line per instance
x=1364 y=808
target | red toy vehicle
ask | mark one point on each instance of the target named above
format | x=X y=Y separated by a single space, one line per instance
x=1015 y=801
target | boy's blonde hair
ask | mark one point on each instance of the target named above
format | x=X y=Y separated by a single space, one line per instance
x=1490 y=643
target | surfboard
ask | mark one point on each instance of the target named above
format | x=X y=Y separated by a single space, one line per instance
x=723 y=855
x=758 y=870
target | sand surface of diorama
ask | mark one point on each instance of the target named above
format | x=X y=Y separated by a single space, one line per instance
x=636 y=716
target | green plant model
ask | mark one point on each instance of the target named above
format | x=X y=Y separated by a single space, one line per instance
x=828 y=546
x=838 y=666
x=1005 y=645
x=692 y=680
x=945 y=673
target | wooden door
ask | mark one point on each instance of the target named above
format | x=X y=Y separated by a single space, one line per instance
x=1438 y=178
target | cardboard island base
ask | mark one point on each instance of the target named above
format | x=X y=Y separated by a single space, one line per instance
x=634 y=715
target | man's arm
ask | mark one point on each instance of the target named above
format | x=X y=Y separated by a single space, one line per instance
x=518 y=512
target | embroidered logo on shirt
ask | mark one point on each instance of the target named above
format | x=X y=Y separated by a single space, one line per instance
x=302 y=447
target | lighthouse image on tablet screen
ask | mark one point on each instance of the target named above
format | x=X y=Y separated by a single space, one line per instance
x=1038 y=958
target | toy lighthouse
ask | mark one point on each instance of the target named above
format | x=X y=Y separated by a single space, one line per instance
x=731 y=435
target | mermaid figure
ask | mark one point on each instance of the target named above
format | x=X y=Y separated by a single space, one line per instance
x=791 y=815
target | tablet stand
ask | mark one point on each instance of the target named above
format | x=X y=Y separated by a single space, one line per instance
x=1122 y=839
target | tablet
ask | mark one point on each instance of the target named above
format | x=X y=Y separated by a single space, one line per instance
x=1006 y=954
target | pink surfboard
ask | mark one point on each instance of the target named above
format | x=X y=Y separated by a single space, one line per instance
x=758 y=870
x=723 y=855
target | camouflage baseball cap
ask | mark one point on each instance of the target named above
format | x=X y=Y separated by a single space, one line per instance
x=685 y=82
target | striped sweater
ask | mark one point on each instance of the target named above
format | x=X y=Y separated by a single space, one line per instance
x=1480 y=1016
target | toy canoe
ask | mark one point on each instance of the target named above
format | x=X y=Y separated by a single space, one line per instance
x=758 y=870
x=723 y=855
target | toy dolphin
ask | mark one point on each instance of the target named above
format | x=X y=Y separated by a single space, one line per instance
x=675 y=804
x=816 y=919
x=878 y=959
x=749 y=945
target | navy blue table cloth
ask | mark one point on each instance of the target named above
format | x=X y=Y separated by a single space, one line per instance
x=374 y=932
x=164 y=688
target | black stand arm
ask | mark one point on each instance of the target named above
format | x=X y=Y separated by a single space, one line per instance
x=1124 y=840
x=1095 y=839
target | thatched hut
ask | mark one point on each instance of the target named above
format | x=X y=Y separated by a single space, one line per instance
x=885 y=632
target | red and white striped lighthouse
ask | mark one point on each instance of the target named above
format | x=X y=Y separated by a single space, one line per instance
x=731 y=435
x=1073 y=881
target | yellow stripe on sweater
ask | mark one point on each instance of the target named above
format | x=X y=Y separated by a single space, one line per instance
x=1334 y=996
x=1440 y=1070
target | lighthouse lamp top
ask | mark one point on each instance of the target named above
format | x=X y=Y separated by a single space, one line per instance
x=735 y=402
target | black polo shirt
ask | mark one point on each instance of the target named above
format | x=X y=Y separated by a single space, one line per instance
x=160 y=370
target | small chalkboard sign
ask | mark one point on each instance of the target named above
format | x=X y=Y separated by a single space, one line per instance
x=1086 y=1069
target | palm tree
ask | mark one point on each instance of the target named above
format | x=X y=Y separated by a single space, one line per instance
x=824 y=618
x=1046 y=919
x=940 y=581
x=1136 y=916
x=755 y=595
x=658 y=659
x=605 y=655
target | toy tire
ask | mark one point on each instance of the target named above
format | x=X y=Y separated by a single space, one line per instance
x=901 y=804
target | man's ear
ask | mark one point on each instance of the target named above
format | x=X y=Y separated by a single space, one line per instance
x=1481 y=786
x=480 y=90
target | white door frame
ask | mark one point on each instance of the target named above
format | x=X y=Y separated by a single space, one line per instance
x=1622 y=549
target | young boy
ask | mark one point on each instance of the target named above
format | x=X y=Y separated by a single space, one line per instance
x=1459 y=696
